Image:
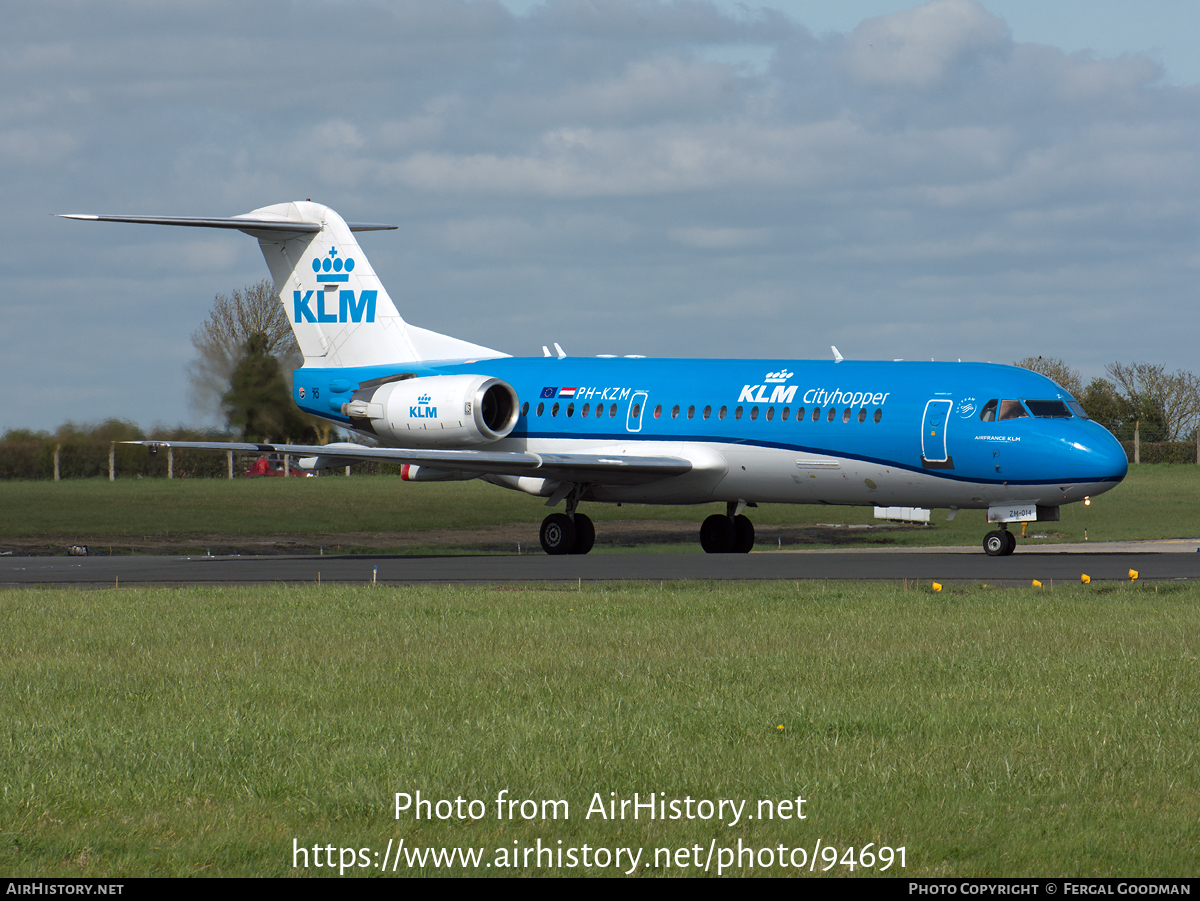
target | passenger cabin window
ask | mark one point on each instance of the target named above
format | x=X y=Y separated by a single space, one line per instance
x=692 y=412
x=1011 y=409
x=586 y=409
x=1048 y=409
x=541 y=409
x=816 y=413
x=525 y=408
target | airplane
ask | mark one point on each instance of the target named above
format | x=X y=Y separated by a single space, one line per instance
x=657 y=431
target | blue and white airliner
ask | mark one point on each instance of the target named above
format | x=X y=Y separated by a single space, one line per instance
x=659 y=431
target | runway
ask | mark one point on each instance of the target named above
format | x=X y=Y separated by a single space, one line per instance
x=941 y=564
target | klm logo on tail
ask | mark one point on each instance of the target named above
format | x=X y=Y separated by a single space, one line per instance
x=349 y=309
x=333 y=270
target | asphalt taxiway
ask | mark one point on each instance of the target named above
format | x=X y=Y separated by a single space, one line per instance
x=1153 y=561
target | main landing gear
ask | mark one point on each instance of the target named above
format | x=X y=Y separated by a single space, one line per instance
x=732 y=533
x=568 y=533
x=999 y=543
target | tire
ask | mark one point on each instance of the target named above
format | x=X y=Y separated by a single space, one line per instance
x=1012 y=543
x=743 y=534
x=717 y=534
x=995 y=544
x=558 y=534
x=585 y=534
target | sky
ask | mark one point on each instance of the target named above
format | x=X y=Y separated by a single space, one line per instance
x=949 y=180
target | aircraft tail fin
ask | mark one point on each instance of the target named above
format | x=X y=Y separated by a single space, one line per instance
x=339 y=310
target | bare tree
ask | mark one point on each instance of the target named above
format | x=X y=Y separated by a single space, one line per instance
x=1055 y=370
x=221 y=340
x=1151 y=390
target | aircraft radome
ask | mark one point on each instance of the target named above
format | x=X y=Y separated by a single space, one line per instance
x=580 y=430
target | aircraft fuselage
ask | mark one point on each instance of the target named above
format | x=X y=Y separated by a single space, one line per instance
x=769 y=431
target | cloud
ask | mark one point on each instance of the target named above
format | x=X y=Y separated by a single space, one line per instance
x=921 y=186
x=919 y=47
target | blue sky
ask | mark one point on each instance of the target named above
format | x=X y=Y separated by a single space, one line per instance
x=982 y=181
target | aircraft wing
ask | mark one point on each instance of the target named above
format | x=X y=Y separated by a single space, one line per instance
x=607 y=469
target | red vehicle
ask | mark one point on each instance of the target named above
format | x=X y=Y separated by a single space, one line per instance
x=273 y=466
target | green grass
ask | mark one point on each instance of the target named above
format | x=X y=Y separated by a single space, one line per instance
x=1155 y=501
x=1000 y=733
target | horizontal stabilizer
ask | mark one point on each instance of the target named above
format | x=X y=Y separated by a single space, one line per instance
x=602 y=469
x=244 y=223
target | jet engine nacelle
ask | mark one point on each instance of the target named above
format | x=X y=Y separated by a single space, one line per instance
x=436 y=411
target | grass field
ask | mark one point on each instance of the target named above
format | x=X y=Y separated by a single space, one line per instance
x=202 y=731
x=1155 y=501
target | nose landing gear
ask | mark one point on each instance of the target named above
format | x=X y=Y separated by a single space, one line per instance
x=999 y=543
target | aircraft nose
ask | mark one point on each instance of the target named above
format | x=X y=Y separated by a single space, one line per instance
x=1102 y=454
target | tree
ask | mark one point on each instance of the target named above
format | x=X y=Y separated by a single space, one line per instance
x=259 y=403
x=1057 y=371
x=1168 y=402
x=221 y=341
x=1104 y=403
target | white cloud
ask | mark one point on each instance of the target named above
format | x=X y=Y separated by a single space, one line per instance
x=919 y=47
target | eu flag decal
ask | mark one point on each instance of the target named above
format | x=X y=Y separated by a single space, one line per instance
x=549 y=392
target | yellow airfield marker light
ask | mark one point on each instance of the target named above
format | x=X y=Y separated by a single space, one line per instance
x=1133 y=574
x=1087 y=501
x=937 y=586
x=1037 y=584
x=1085 y=578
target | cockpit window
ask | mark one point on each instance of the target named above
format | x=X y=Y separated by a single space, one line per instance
x=988 y=413
x=1011 y=409
x=1048 y=409
x=1078 y=409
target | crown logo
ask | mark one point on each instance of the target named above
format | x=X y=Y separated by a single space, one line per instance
x=778 y=377
x=333 y=268
x=423 y=399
